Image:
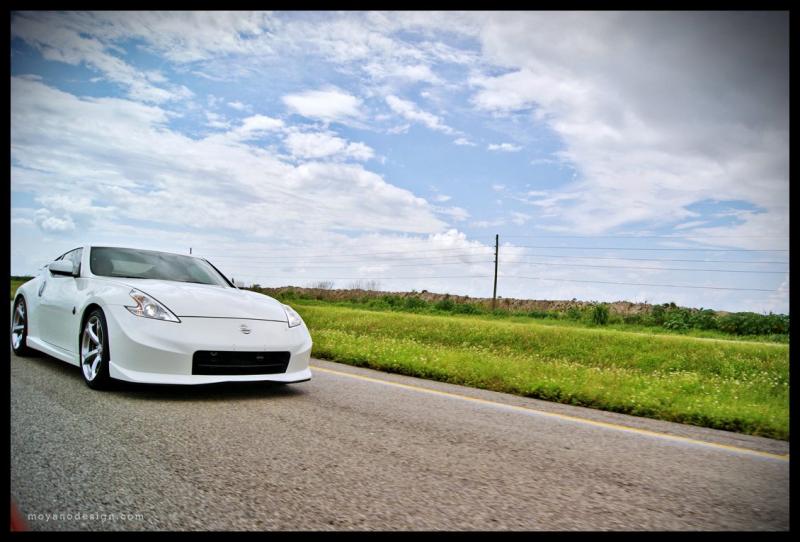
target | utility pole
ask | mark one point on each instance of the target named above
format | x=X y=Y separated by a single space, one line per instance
x=496 y=251
x=190 y=250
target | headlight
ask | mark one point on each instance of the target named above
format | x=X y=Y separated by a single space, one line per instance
x=292 y=316
x=147 y=307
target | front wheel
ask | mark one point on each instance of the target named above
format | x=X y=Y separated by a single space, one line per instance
x=95 y=352
x=19 y=328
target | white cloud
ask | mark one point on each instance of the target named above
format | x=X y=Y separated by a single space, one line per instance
x=520 y=218
x=239 y=106
x=179 y=36
x=215 y=120
x=464 y=141
x=409 y=72
x=456 y=213
x=61 y=38
x=329 y=105
x=646 y=107
x=323 y=145
x=53 y=224
x=255 y=127
x=441 y=198
x=122 y=154
x=504 y=147
x=488 y=223
x=410 y=111
x=401 y=129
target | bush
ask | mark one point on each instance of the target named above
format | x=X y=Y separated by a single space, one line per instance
x=467 y=308
x=379 y=303
x=634 y=319
x=414 y=303
x=750 y=323
x=658 y=314
x=676 y=318
x=675 y=322
x=600 y=314
x=703 y=319
x=538 y=314
x=392 y=300
x=445 y=304
x=573 y=313
x=288 y=294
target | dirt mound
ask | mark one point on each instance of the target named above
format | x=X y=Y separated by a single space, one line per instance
x=623 y=308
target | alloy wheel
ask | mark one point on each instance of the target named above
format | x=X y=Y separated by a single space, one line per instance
x=18 y=325
x=92 y=348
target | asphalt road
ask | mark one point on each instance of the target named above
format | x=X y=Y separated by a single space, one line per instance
x=364 y=450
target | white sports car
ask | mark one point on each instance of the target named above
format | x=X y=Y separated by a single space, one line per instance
x=156 y=317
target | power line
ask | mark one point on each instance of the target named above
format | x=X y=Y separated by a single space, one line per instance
x=409 y=242
x=449 y=257
x=339 y=255
x=421 y=262
x=408 y=257
x=461 y=262
x=636 y=236
x=658 y=259
x=673 y=249
x=655 y=268
x=357 y=264
x=376 y=278
x=642 y=284
x=465 y=252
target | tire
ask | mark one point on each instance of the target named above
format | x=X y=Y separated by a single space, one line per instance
x=94 y=351
x=19 y=336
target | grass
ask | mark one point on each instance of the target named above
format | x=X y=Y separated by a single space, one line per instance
x=552 y=321
x=727 y=385
x=666 y=317
x=16 y=282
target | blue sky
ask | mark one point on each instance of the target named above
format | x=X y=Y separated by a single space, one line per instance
x=614 y=153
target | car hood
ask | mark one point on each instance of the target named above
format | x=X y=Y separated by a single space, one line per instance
x=189 y=299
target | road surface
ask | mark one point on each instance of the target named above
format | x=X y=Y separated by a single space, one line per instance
x=355 y=449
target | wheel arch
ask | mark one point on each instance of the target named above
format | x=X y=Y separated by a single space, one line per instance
x=87 y=310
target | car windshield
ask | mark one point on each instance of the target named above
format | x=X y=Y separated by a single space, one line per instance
x=146 y=264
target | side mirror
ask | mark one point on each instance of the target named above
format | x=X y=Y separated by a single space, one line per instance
x=62 y=267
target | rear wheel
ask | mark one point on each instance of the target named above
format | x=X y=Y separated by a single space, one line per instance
x=19 y=328
x=95 y=352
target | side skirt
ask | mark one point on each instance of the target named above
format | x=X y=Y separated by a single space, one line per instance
x=52 y=350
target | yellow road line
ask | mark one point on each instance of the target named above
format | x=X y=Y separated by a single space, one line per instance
x=587 y=421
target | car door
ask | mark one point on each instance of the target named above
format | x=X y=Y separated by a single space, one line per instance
x=58 y=302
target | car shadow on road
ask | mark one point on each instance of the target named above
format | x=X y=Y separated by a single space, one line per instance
x=224 y=391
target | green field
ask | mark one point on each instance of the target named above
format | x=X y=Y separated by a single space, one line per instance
x=730 y=385
x=550 y=320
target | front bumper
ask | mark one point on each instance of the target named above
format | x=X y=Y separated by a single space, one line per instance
x=153 y=351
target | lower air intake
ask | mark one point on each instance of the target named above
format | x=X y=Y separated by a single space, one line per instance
x=207 y=362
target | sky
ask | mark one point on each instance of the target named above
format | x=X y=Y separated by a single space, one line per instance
x=617 y=155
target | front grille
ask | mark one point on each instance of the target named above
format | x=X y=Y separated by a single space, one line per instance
x=206 y=362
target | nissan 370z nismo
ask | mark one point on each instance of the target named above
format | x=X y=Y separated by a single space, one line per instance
x=156 y=317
